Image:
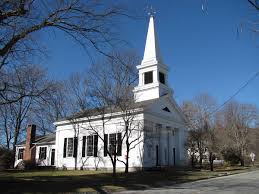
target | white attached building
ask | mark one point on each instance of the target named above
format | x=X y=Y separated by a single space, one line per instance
x=161 y=126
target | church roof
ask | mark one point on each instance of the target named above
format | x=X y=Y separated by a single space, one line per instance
x=106 y=110
x=43 y=139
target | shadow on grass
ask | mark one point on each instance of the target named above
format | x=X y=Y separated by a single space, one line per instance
x=54 y=181
x=90 y=183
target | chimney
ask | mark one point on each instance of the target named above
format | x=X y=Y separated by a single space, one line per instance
x=29 y=152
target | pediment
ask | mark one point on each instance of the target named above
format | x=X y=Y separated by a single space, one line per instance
x=168 y=108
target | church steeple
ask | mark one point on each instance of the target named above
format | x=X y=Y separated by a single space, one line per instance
x=152 y=50
x=152 y=71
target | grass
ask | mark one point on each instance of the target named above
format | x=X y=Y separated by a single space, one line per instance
x=54 y=181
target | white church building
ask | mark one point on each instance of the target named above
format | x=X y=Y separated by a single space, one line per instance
x=159 y=140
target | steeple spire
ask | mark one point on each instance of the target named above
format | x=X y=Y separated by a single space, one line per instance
x=152 y=51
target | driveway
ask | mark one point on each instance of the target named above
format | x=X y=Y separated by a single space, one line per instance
x=244 y=183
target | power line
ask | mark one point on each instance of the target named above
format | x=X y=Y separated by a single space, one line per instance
x=236 y=93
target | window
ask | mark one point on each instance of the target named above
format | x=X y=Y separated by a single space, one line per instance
x=20 y=153
x=112 y=143
x=148 y=77
x=70 y=147
x=115 y=141
x=161 y=78
x=43 y=153
x=92 y=145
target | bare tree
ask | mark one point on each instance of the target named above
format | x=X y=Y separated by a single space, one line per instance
x=254 y=3
x=89 y=23
x=28 y=78
x=124 y=76
x=191 y=146
x=198 y=112
x=101 y=99
x=110 y=90
x=52 y=106
x=238 y=119
x=212 y=143
x=78 y=88
x=6 y=121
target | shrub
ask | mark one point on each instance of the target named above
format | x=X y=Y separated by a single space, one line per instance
x=6 y=158
x=28 y=165
x=248 y=161
x=230 y=155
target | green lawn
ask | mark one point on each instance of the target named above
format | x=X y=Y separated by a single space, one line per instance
x=55 y=181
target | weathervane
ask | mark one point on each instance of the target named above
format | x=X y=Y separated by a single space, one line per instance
x=150 y=11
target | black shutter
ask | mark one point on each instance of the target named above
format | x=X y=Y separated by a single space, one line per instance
x=65 y=148
x=45 y=153
x=75 y=147
x=105 y=144
x=83 y=146
x=119 y=144
x=95 y=145
x=40 y=153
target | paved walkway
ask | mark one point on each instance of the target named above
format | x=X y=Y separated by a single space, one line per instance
x=244 y=183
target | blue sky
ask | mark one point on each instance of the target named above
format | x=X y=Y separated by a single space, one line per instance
x=203 y=50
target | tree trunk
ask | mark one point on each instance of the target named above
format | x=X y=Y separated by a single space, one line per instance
x=7 y=143
x=128 y=149
x=242 y=158
x=200 y=159
x=242 y=161
x=114 y=164
x=211 y=161
x=13 y=156
x=14 y=146
x=127 y=163
x=114 y=169
x=192 y=161
x=127 y=156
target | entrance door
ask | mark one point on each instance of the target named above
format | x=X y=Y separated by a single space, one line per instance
x=157 y=156
x=52 y=157
x=174 y=155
